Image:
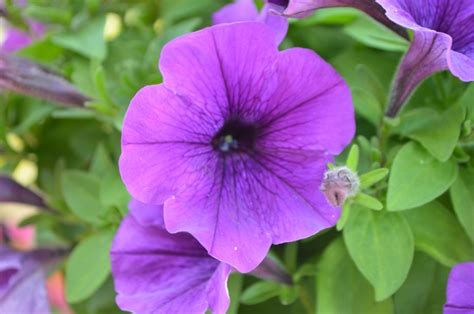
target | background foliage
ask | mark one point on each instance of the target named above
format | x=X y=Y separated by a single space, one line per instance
x=391 y=251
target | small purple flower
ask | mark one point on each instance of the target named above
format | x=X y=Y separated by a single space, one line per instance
x=22 y=281
x=460 y=292
x=16 y=39
x=246 y=10
x=159 y=272
x=236 y=141
x=443 y=40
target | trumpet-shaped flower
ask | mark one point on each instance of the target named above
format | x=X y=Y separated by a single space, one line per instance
x=159 y=272
x=443 y=40
x=443 y=36
x=236 y=140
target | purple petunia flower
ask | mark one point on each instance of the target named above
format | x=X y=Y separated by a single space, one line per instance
x=246 y=10
x=159 y=272
x=22 y=280
x=443 y=40
x=460 y=292
x=236 y=141
x=443 y=37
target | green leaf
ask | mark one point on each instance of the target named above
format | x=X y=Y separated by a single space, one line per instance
x=352 y=160
x=413 y=120
x=466 y=101
x=462 y=196
x=368 y=201
x=439 y=234
x=101 y=164
x=288 y=294
x=382 y=246
x=367 y=106
x=306 y=270
x=234 y=285
x=42 y=51
x=49 y=14
x=371 y=83
x=81 y=193
x=35 y=113
x=375 y=35
x=370 y=178
x=417 y=178
x=439 y=133
x=329 y=16
x=87 y=41
x=113 y=192
x=341 y=288
x=346 y=208
x=259 y=292
x=88 y=266
x=424 y=290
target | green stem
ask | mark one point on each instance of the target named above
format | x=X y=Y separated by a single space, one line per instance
x=291 y=256
x=306 y=301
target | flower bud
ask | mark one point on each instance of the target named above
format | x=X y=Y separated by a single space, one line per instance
x=339 y=184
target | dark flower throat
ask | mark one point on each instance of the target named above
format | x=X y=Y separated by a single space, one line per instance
x=235 y=136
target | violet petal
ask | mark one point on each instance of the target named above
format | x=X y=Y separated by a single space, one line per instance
x=155 y=271
x=460 y=291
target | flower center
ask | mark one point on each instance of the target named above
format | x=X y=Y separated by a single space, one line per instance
x=283 y=3
x=234 y=136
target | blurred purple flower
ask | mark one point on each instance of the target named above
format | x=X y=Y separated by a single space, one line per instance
x=16 y=39
x=303 y=8
x=236 y=141
x=22 y=280
x=159 y=272
x=246 y=10
x=460 y=292
x=443 y=40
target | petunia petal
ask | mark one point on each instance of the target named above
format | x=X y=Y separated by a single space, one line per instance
x=460 y=291
x=321 y=117
x=427 y=55
x=254 y=201
x=461 y=66
x=146 y=214
x=276 y=22
x=15 y=40
x=164 y=137
x=222 y=67
x=26 y=284
x=238 y=11
x=10 y=265
x=155 y=271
